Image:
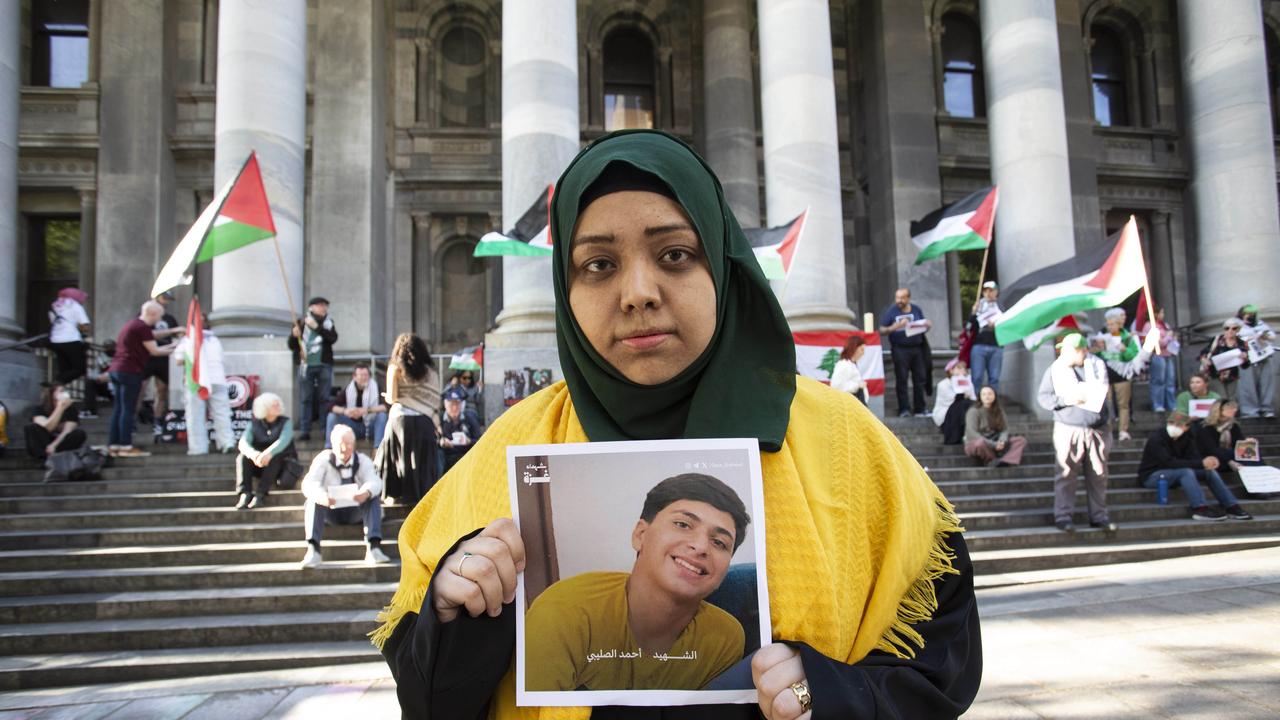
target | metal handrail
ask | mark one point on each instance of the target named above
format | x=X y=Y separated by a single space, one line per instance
x=25 y=342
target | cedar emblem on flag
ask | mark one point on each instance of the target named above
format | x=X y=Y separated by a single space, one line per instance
x=468 y=358
x=963 y=225
x=238 y=216
x=775 y=247
x=529 y=238
x=1100 y=278
x=817 y=353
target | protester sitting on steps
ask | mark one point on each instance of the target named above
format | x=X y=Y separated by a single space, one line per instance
x=986 y=433
x=359 y=406
x=330 y=470
x=1197 y=389
x=1218 y=434
x=266 y=449
x=53 y=426
x=951 y=403
x=1171 y=455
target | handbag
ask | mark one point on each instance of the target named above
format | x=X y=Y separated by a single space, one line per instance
x=290 y=474
x=74 y=465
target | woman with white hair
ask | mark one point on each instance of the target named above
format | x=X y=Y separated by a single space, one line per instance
x=266 y=448
x=1225 y=380
x=1118 y=345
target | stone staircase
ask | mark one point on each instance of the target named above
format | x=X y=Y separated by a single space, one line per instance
x=150 y=573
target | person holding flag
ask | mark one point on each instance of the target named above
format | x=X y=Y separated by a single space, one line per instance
x=199 y=353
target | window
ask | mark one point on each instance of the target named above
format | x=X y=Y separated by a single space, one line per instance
x=963 y=91
x=1110 y=79
x=59 y=43
x=628 y=80
x=462 y=79
x=54 y=262
x=464 y=311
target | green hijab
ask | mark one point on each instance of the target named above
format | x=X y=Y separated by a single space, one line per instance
x=743 y=383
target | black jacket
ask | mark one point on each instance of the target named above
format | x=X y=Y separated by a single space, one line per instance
x=1208 y=441
x=1164 y=453
x=328 y=336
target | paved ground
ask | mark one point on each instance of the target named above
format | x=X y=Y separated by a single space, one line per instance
x=1186 y=638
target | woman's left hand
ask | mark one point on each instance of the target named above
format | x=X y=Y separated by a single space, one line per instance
x=774 y=669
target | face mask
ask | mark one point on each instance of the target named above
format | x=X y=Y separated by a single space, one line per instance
x=1251 y=319
x=1175 y=431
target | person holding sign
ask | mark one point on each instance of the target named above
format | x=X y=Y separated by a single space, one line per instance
x=342 y=487
x=1257 y=392
x=905 y=324
x=1171 y=455
x=1224 y=358
x=1118 y=345
x=951 y=401
x=667 y=328
x=986 y=354
x=1197 y=392
x=1219 y=435
x=1075 y=389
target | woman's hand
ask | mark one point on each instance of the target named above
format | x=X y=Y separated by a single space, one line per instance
x=774 y=669
x=481 y=574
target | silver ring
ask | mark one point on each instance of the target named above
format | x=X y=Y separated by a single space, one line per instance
x=465 y=557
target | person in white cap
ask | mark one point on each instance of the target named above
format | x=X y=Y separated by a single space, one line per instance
x=986 y=356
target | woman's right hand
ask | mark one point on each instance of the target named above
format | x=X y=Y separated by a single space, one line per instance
x=480 y=575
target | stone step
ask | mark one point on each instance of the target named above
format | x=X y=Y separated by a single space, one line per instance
x=25 y=672
x=1119 y=513
x=206 y=553
x=200 y=631
x=240 y=533
x=201 y=601
x=283 y=575
x=137 y=501
x=1021 y=500
x=1117 y=468
x=1045 y=537
x=153 y=517
x=36 y=488
x=990 y=564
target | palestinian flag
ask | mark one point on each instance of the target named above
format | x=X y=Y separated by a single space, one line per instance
x=239 y=215
x=468 y=358
x=195 y=331
x=817 y=353
x=775 y=247
x=530 y=236
x=1099 y=278
x=963 y=225
x=1061 y=326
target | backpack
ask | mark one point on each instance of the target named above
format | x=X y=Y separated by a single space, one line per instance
x=74 y=465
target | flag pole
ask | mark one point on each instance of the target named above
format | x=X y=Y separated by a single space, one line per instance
x=982 y=274
x=293 y=311
x=1146 y=281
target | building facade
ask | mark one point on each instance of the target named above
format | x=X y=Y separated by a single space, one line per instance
x=394 y=133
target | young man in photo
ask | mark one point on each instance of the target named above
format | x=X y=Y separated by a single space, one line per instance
x=650 y=629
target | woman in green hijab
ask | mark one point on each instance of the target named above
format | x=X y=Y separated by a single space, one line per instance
x=667 y=328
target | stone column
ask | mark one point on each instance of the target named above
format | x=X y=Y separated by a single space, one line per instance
x=1233 y=181
x=261 y=106
x=348 y=173
x=10 y=108
x=540 y=135
x=801 y=156
x=1028 y=138
x=88 y=251
x=729 y=97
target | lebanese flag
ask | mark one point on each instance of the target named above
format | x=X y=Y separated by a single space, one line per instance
x=775 y=247
x=1061 y=326
x=963 y=225
x=195 y=331
x=468 y=358
x=1099 y=278
x=239 y=215
x=529 y=238
x=817 y=353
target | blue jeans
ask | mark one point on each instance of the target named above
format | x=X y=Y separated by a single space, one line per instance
x=1191 y=487
x=369 y=513
x=1164 y=383
x=986 y=360
x=125 y=387
x=375 y=424
x=317 y=383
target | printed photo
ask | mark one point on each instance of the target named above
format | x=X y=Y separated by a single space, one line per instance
x=645 y=578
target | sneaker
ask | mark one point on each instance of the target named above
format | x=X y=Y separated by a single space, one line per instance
x=1159 y=409
x=312 y=559
x=243 y=502
x=1125 y=437
x=304 y=437
x=1204 y=512
x=1235 y=512
x=375 y=556
x=131 y=451
x=924 y=414
x=1065 y=526
x=88 y=415
x=1107 y=526
x=257 y=501
x=1269 y=414
x=904 y=413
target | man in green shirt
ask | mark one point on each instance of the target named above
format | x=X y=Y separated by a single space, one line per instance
x=1199 y=390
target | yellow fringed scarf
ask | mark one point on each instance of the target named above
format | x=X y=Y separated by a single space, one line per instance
x=852 y=523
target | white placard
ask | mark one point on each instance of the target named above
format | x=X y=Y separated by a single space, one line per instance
x=1227 y=360
x=963 y=384
x=344 y=494
x=917 y=327
x=989 y=317
x=1260 y=479
x=1095 y=395
x=459 y=438
x=578 y=509
x=1260 y=351
x=1247 y=450
x=1199 y=408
